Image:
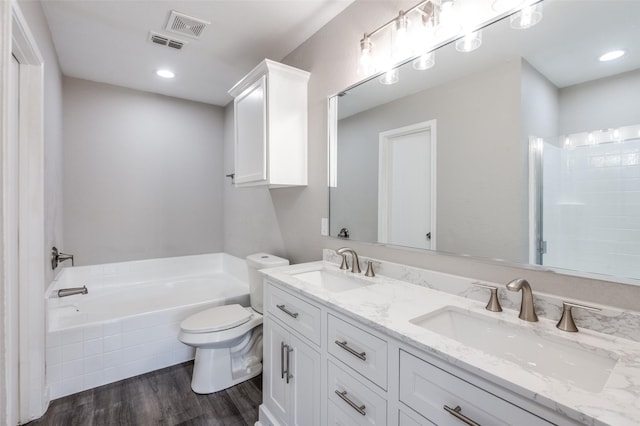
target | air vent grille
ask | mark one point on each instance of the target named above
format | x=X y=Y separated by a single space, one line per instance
x=189 y=26
x=166 y=41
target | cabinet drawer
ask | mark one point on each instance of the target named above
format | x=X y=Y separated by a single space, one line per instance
x=409 y=418
x=364 y=352
x=301 y=316
x=428 y=389
x=358 y=405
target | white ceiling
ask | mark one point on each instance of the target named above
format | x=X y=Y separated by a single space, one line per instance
x=108 y=41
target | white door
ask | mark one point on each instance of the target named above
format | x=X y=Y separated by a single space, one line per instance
x=406 y=194
x=251 y=136
x=11 y=245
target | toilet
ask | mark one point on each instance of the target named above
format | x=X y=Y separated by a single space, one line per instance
x=228 y=339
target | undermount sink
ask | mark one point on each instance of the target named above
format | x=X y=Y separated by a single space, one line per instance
x=331 y=281
x=547 y=355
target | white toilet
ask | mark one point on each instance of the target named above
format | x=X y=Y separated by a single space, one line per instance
x=228 y=339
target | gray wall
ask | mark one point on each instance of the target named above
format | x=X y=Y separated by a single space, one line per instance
x=53 y=188
x=601 y=104
x=331 y=56
x=467 y=221
x=143 y=174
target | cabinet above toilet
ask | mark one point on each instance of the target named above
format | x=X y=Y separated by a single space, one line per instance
x=270 y=126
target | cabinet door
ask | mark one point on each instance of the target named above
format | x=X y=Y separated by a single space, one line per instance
x=305 y=368
x=275 y=388
x=251 y=135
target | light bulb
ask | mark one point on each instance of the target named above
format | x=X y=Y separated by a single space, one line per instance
x=448 y=20
x=470 y=42
x=425 y=61
x=365 y=67
x=527 y=17
x=401 y=40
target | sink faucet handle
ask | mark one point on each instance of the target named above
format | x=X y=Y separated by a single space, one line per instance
x=494 y=304
x=369 y=272
x=566 y=322
x=344 y=265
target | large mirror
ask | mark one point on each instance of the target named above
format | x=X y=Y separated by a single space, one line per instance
x=526 y=150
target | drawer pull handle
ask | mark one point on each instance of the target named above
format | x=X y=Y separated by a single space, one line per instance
x=359 y=408
x=286 y=311
x=282 y=370
x=343 y=345
x=456 y=412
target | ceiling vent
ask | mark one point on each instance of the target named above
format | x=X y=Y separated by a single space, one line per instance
x=166 y=41
x=189 y=26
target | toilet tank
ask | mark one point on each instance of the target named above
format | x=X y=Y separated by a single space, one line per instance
x=256 y=262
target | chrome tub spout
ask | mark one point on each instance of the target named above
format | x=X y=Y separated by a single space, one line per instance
x=63 y=292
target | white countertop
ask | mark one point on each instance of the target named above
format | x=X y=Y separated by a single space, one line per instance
x=388 y=304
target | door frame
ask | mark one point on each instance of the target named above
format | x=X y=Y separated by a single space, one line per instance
x=384 y=172
x=33 y=395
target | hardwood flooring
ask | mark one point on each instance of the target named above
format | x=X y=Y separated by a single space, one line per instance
x=162 y=397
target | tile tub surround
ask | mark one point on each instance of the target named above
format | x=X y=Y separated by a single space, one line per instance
x=82 y=354
x=388 y=306
x=614 y=321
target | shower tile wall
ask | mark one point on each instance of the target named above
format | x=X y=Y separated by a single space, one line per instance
x=592 y=208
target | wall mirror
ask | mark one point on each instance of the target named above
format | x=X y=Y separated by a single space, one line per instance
x=526 y=150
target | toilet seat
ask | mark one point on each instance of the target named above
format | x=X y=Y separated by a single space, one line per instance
x=216 y=319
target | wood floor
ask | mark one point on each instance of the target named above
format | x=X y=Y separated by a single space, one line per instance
x=162 y=397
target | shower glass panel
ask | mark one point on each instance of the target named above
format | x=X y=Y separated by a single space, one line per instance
x=591 y=204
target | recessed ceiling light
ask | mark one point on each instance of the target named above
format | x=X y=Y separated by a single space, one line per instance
x=165 y=74
x=610 y=56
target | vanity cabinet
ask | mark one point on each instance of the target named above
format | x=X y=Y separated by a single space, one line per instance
x=291 y=377
x=291 y=364
x=270 y=125
x=445 y=399
x=343 y=372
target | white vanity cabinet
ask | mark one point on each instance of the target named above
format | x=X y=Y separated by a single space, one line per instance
x=291 y=364
x=270 y=106
x=344 y=372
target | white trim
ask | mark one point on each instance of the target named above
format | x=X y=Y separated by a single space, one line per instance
x=383 y=181
x=31 y=388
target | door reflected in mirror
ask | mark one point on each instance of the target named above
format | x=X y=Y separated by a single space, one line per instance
x=534 y=147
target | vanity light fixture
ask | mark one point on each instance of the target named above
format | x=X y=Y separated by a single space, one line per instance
x=421 y=28
x=612 y=55
x=527 y=17
x=164 y=73
x=470 y=42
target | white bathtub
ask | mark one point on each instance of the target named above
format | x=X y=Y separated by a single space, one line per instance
x=129 y=321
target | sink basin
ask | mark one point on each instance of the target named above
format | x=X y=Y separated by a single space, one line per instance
x=331 y=281
x=549 y=356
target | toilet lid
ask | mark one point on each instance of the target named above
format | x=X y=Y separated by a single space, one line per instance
x=216 y=319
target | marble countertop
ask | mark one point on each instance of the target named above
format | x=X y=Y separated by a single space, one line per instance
x=388 y=305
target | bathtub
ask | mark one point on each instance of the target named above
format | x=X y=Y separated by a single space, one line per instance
x=129 y=321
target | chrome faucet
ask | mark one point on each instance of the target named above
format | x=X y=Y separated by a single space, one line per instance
x=64 y=292
x=527 y=310
x=59 y=257
x=355 y=265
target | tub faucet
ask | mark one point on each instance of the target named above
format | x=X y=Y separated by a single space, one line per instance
x=64 y=292
x=527 y=310
x=355 y=265
x=58 y=257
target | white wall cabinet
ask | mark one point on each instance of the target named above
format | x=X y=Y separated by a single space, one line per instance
x=270 y=106
x=345 y=373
